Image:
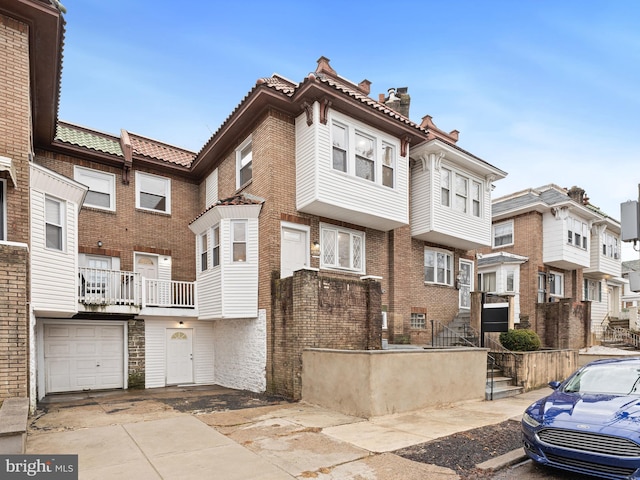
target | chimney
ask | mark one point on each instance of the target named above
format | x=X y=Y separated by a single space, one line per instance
x=577 y=194
x=398 y=99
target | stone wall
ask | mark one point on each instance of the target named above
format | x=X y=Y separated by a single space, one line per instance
x=314 y=311
x=136 y=343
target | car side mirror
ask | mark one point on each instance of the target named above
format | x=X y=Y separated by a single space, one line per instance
x=555 y=384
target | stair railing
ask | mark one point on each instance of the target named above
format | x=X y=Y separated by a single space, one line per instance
x=622 y=335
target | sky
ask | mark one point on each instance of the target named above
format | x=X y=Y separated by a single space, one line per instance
x=546 y=90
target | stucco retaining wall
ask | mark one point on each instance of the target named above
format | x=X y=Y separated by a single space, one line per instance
x=537 y=369
x=369 y=383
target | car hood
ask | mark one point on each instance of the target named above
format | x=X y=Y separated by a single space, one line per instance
x=595 y=412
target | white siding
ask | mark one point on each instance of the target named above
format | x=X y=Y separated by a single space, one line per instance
x=241 y=353
x=599 y=310
x=432 y=221
x=155 y=351
x=555 y=249
x=54 y=274
x=321 y=190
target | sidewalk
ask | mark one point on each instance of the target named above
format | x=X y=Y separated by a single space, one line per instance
x=147 y=439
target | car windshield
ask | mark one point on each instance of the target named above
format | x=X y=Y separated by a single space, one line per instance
x=611 y=379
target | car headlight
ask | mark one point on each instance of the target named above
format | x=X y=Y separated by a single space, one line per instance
x=529 y=420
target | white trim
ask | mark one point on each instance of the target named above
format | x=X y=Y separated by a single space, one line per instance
x=167 y=192
x=6 y=165
x=493 y=234
x=3 y=207
x=110 y=178
x=242 y=146
x=301 y=228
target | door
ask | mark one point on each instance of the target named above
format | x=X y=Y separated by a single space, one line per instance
x=83 y=357
x=294 y=253
x=147 y=267
x=465 y=277
x=96 y=286
x=179 y=356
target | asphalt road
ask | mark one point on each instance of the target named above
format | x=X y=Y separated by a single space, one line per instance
x=530 y=471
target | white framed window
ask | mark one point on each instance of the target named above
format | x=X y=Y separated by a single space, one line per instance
x=487 y=282
x=54 y=223
x=244 y=163
x=239 y=240
x=511 y=281
x=476 y=199
x=388 y=165
x=342 y=248
x=153 y=192
x=3 y=210
x=215 y=246
x=102 y=187
x=503 y=234
x=577 y=232
x=556 y=284
x=592 y=290
x=418 y=320
x=438 y=267
x=445 y=187
x=204 y=252
x=363 y=152
x=610 y=246
x=462 y=193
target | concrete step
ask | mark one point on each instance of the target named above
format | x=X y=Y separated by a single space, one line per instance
x=500 y=382
x=503 y=392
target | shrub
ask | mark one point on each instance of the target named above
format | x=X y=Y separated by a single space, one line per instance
x=520 y=340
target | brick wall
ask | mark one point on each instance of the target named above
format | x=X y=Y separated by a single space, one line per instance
x=127 y=229
x=14 y=322
x=15 y=127
x=565 y=324
x=314 y=311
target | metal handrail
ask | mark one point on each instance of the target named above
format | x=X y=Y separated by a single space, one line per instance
x=619 y=334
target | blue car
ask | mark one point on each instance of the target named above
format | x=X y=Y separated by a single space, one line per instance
x=590 y=424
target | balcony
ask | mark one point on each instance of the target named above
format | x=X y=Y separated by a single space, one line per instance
x=129 y=292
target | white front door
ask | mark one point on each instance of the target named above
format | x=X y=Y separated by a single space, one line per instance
x=83 y=357
x=294 y=253
x=179 y=356
x=465 y=283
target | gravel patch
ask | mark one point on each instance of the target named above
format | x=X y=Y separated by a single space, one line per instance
x=464 y=450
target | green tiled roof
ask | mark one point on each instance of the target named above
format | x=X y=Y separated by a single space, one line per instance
x=92 y=140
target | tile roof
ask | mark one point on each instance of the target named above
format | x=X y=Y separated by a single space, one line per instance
x=160 y=151
x=81 y=137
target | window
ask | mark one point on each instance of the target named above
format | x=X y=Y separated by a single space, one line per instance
x=388 y=165
x=153 y=193
x=362 y=153
x=215 y=244
x=511 y=285
x=437 y=267
x=445 y=187
x=342 y=248
x=102 y=191
x=418 y=320
x=610 y=246
x=54 y=215
x=365 y=163
x=244 y=159
x=503 y=234
x=96 y=280
x=592 y=290
x=239 y=240
x=204 y=250
x=462 y=187
x=487 y=282
x=3 y=210
x=577 y=233
x=556 y=284
x=542 y=287
x=476 y=197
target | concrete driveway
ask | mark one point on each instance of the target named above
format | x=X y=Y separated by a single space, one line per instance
x=213 y=432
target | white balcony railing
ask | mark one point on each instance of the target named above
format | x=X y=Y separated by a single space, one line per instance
x=114 y=287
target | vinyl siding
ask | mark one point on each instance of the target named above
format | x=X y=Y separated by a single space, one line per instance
x=54 y=274
x=155 y=351
x=555 y=247
x=422 y=198
x=321 y=190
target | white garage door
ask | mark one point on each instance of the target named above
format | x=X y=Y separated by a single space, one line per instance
x=83 y=357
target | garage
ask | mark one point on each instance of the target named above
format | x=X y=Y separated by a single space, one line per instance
x=86 y=356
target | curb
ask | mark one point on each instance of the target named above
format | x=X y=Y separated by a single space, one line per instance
x=505 y=460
